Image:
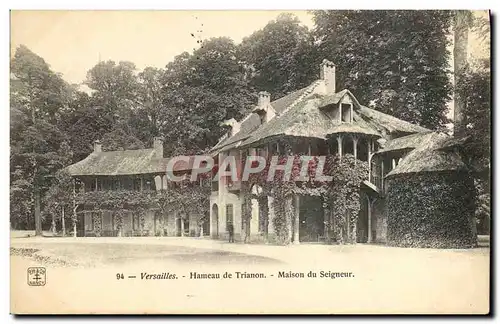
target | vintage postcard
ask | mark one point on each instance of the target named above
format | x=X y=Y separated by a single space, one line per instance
x=250 y=162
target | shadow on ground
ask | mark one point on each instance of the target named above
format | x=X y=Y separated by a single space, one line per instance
x=113 y=254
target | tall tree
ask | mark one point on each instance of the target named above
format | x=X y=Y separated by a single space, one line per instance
x=462 y=21
x=200 y=91
x=395 y=61
x=115 y=88
x=38 y=99
x=149 y=118
x=280 y=57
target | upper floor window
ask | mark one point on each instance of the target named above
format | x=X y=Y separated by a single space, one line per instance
x=116 y=184
x=137 y=184
x=148 y=184
x=346 y=110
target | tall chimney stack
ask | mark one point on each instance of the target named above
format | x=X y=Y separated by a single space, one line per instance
x=264 y=99
x=264 y=108
x=158 y=146
x=327 y=73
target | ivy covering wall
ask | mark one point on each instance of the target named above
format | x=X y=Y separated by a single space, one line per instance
x=185 y=198
x=432 y=210
x=343 y=192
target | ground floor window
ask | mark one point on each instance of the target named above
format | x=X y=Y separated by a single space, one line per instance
x=89 y=222
x=136 y=222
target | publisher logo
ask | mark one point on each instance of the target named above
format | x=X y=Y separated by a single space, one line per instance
x=36 y=276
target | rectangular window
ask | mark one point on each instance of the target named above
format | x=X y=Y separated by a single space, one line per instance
x=136 y=222
x=215 y=185
x=89 y=185
x=115 y=184
x=99 y=184
x=148 y=184
x=346 y=113
x=89 y=221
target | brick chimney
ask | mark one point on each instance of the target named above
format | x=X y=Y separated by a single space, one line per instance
x=264 y=108
x=327 y=73
x=97 y=146
x=264 y=99
x=235 y=126
x=158 y=146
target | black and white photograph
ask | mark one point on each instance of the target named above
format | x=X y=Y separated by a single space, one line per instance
x=250 y=162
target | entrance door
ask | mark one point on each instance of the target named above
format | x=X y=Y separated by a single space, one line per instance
x=80 y=225
x=362 y=225
x=311 y=217
x=215 y=221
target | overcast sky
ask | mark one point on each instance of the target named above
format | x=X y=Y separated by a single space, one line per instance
x=72 y=42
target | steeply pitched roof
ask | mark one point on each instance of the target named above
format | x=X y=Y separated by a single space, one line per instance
x=303 y=119
x=306 y=119
x=390 y=123
x=252 y=121
x=128 y=162
x=427 y=157
x=299 y=114
x=336 y=97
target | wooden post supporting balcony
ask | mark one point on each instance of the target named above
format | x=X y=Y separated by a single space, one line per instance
x=382 y=173
x=369 y=160
x=355 y=147
x=370 y=206
x=339 y=142
x=296 y=220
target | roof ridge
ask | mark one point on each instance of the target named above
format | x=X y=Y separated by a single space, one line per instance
x=134 y=150
x=307 y=92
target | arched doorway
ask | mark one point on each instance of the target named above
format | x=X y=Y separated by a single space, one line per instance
x=311 y=219
x=255 y=223
x=215 y=221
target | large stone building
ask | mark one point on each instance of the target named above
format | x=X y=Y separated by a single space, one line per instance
x=319 y=120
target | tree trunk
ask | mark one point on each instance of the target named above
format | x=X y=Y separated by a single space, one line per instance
x=63 y=223
x=53 y=224
x=74 y=208
x=38 y=216
x=461 y=31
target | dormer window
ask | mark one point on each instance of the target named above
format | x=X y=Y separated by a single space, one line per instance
x=346 y=112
